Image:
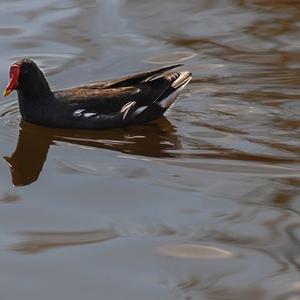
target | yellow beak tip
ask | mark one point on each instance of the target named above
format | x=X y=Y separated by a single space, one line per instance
x=6 y=92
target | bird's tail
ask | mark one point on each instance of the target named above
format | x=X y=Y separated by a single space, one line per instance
x=178 y=80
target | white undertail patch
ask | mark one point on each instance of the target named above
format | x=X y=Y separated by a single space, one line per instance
x=169 y=100
x=182 y=76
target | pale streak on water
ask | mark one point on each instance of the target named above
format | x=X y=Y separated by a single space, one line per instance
x=201 y=205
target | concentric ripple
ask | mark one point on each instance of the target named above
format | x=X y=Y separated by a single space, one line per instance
x=50 y=63
x=9 y=120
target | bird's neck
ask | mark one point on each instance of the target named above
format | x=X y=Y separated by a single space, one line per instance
x=35 y=99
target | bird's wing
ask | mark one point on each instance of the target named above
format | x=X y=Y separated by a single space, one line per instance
x=126 y=81
x=115 y=107
x=112 y=100
x=139 y=77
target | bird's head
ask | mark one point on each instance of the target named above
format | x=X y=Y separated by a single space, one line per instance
x=21 y=73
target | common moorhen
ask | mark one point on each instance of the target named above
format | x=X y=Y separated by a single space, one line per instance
x=133 y=99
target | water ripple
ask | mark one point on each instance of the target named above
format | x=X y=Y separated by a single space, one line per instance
x=51 y=63
x=41 y=241
x=193 y=251
x=206 y=200
x=171 y=58
x=9 y=120
x=259 y=170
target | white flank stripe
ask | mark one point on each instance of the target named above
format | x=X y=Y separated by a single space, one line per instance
x=78 y=112
x=139 y=110
x=89 y=114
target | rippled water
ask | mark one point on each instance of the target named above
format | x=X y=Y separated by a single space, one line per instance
x=202 y=204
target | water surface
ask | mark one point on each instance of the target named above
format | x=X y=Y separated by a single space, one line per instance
x=201 y=204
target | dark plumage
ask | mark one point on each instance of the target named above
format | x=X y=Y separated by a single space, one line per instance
x=133 y=99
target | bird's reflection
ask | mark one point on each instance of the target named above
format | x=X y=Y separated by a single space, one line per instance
x=156 y=139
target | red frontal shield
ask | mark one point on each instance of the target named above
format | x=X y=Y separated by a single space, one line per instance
x=13 y=83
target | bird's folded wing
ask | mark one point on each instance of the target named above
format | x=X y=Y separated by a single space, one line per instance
x=131 y=79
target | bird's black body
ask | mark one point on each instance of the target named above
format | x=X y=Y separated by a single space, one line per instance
x=129 y=100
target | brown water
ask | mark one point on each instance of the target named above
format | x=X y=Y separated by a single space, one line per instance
x=203 y=204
